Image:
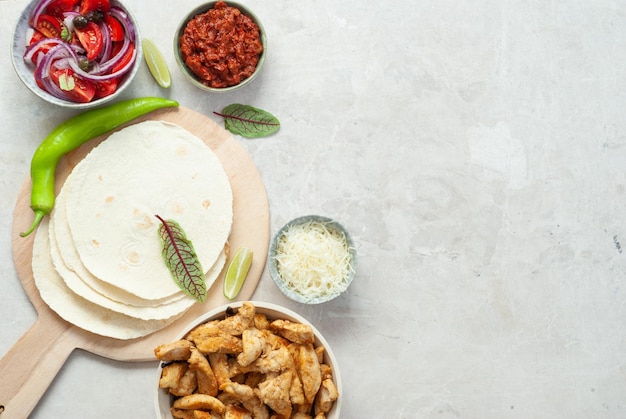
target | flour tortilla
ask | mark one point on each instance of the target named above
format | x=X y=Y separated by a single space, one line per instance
x=76 y=310
x=75 y=284
x=115 y=192
x=81 y=282
x=67 y=262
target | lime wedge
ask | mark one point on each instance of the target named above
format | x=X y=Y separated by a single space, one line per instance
x=237 y=272
x=156 y=63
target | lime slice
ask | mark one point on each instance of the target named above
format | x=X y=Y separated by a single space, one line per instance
x=237 y=272
x=156 y=63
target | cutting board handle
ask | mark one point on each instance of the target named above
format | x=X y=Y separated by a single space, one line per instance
x=29 y=367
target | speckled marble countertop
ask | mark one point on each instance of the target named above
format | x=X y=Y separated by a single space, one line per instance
x=476 y=151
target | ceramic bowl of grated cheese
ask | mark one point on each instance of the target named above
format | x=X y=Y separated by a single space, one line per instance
x=312 y=259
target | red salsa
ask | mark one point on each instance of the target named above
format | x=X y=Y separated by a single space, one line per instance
x=221 y=46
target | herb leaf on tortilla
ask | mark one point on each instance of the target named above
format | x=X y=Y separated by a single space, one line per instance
x=248 y=121
x=181 y=259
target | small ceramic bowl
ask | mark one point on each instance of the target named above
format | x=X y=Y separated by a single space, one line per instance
x=275 y=271
x=163 y=399
x=193 y=78
x=25 y=71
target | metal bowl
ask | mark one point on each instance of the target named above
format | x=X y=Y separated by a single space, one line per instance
x=189 y=75
x=26 y=71
x=275 y=272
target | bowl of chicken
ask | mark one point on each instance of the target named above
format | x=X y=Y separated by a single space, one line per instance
x=248 y=359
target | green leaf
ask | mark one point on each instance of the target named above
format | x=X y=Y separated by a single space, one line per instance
x=181 y=259
x=248 y=121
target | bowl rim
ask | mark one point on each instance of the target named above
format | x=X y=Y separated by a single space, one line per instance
x=202 y=8
x=273 y=268
x=329 y=357
x=25 y=73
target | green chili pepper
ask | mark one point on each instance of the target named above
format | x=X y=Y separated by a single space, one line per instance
x=71 y=134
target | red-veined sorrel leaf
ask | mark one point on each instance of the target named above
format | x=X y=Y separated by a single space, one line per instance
x=181 y=259
x=248 y=122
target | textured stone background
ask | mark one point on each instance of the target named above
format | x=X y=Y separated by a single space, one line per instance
x=476 y=150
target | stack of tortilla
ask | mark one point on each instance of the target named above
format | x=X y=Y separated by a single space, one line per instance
x=97 y=260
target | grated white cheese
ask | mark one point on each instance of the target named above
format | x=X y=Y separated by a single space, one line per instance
x=313 y=260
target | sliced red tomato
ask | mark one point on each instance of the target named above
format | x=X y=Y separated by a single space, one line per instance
x=125 y=60
x=39 y=83
x=38 y=36
x=115 y=28
x=76 y=88
x=57 y=7
x=49 y=26
x=115 y=48
x=93 y=5
x=105 y=88
x=90 y=38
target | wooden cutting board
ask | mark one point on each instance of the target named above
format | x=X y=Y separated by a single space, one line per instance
x=31 y=364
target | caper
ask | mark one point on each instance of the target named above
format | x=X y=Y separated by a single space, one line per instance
x=80 y=21
x=85 y=64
